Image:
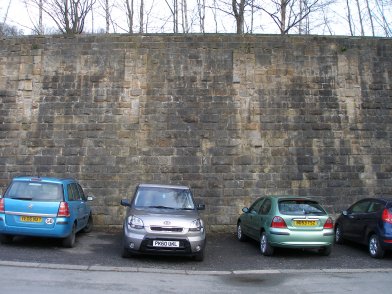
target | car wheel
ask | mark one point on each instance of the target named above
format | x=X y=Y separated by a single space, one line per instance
x=6 y=239
x=265 y=248
x=69 y=241
x=338 y=235
x=240 y=234
x=326 y=251
x=89 y=226
x=375 y=249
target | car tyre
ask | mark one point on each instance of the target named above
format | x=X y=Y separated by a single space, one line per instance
x=325 y=251
x=69 y=241
x=375 y=248
x=6 y=239
x=338 y=235
x=89 y=226
x=240 y=234
x=265 y=248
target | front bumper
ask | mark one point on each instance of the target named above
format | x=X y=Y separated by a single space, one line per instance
x=139 y=241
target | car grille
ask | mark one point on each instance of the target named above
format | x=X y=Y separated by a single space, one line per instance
x=166 y=229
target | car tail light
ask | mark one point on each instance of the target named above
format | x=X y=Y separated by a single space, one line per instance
x=63 y=210
x=387 y=216
x=278 y=222
x=2 y=209
x=328 y=224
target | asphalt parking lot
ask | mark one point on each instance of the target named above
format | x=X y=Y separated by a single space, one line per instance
x=223 y=253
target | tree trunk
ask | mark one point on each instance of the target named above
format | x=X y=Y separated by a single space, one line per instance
x=283 y=8
x=238 y=10
x=141 y=16
x=130 y=16
x=360 y=18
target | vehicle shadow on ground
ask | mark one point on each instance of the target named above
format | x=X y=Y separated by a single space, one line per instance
x=223 y=252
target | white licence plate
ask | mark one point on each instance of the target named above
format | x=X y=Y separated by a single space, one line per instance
x=171 y=244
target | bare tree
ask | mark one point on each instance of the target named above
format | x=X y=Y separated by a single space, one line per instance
x=238 y=7
x=288 y=14
x=370 y=16
x=107 y=16
x=141 y=16
x=174 y=13
x=6 y=14
x=235 y=8
x=201 y=10
x=184 y=13
x=130 y=11
x=349 y=18
x=68 y=15
x=381 y=18
x=7 y=30
x=360 y=17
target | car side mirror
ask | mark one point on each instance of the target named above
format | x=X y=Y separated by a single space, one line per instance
x=200 y=207
x=245 y=209
x=125 y=202
x=90 y=197
x=344 y=212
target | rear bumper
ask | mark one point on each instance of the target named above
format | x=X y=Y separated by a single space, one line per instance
x=61 y=229
x=298 y=239
x=386 y=243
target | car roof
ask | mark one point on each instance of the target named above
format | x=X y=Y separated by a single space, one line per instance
x=387 y=199
x=44 y=179
x=163 y=186
x=290 y=197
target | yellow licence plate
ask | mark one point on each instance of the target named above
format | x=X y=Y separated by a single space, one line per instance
x=31 y=219
x=305 y=223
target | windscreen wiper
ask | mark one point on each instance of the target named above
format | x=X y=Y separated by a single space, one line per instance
x=161 y=206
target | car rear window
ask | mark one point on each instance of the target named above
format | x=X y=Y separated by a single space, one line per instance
x=300 y=207
x=156 y=197
x=35 y=191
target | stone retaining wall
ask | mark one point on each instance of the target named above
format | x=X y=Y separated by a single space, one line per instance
x=234 y=117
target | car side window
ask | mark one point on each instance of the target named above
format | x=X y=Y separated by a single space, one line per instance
x=360 y=207
x=73 y=193
x=81 y=193
x=256 y=206
x=266 y=207
x=375 y=206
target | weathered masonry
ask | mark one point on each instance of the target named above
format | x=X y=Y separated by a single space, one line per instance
x=234 y=117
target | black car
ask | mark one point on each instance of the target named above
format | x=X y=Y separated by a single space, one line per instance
x=369 y=222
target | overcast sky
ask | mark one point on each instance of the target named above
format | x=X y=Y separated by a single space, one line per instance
x=159 y=19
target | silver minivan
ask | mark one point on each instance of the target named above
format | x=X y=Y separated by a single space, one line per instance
x=163 y=219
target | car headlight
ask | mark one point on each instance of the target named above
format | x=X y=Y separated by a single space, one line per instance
x=135 y=222
x=196 y=225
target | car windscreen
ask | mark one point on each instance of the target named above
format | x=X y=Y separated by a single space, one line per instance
x=165 y=198
x=35 y=191
x=300 y=207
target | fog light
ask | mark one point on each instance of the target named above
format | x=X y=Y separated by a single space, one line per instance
x=131 y=245
x=198 y=248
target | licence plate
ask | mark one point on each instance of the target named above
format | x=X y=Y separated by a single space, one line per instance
x=171 y=244
x=31 y=219
x=305 y=223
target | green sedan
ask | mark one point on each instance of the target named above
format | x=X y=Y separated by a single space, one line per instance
x=286 y=221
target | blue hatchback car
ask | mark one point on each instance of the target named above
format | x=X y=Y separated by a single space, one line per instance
x=369 y=222
x=44 y=207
